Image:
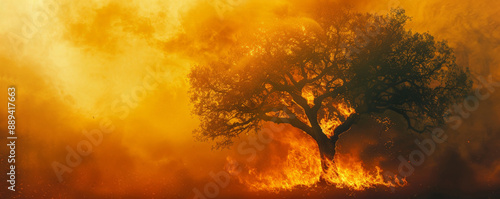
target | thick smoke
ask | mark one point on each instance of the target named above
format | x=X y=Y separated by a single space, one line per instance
x=86 y=62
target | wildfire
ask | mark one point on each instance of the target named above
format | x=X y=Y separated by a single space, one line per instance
x=308 y=95
x=301 y=167
x=328 y=124
x=348 y=172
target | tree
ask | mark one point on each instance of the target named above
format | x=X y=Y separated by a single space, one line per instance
x=322 y=74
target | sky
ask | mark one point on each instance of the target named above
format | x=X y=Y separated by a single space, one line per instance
x=119 y=69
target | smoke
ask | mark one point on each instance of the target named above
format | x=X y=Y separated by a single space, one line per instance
x=80 y=64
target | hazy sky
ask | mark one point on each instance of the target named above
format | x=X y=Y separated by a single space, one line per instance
x=77 y=64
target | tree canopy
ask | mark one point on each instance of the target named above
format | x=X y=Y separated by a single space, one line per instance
x=329 y=67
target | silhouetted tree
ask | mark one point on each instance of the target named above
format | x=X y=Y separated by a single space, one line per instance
x=307 y=72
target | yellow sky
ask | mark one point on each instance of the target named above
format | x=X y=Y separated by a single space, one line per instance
x=76 y=64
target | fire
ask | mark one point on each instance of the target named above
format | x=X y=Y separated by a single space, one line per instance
x=348 y=172
x=328 y=124
x=344 y=109
x=308 y=95
x=301 y=167
x=296 y=162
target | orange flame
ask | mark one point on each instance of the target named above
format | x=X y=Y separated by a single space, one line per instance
x=308 y=95
x=301 y=167
x=329 y=124
x=348 y=172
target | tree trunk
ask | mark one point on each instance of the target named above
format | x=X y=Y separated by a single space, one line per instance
x=327 y=145
x=327 y=151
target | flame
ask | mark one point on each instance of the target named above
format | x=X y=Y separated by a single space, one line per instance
x=328 y=123
x=344 y=109
x=302 y=168
x=348 y=172
x=301 y=164
x=308 y=95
